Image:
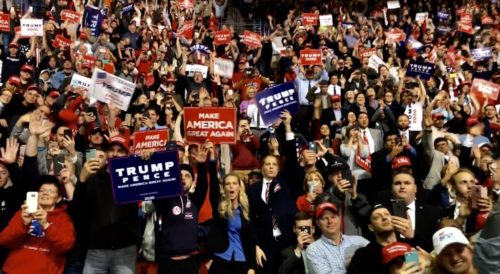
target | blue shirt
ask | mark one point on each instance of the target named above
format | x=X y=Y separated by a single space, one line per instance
x=235 y=248
x=325 y=257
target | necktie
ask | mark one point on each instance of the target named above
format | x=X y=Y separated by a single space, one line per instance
x=268 y=189
x=365 y=139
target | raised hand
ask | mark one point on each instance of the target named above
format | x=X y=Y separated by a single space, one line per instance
x=9 y=153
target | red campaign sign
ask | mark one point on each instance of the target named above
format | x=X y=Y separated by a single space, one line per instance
x=70 y=16
x=366 y=53
x=252 y=39
x=88 y=60
x=310 y=19
x=215 y=124
x=185 y=4
x=465 y=27
x=310 y=57
x=396 y=35
x=486 y=20
x=61 y=42
x=222 y=37
x=480 y=87
x=186 y=30
x=4 y=22
x=155 y=140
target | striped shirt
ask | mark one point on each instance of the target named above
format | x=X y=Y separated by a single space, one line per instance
x=325 y=257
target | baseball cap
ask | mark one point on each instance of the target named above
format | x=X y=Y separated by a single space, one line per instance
x=401 y=161
x=54 y=93
x=97 y=130
x=334 y=98
x=337 y=165
x=121 y=141
x=471 y=121
x=27 y=68
x=33 y=87
x=447 y=236
x=13 y=45
x=437 y=115
x=321 y=208
x=393 y=251
x=187 y=168
x=15 y=81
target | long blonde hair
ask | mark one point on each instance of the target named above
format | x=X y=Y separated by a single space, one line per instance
x=225 y=208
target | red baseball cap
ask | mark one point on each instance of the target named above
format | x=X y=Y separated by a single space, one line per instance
x=437 y=115
x=54 y=94
x=15 y=81
x=472 y=121
x=33 y=87
x=401 y=161
x=320 y=209
x=27 y=68
x=121 y=141
x=393 y=251
x=334 y=98
x=13 y=45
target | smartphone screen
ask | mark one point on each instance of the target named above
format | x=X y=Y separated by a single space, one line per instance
x=58 y=164
x=90 y=154
x=477 y=192
x=32 y=201
x=68 y=133
x=412 y=257
x=313 y=147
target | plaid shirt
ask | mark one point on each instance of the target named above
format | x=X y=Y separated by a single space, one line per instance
x=324 y=256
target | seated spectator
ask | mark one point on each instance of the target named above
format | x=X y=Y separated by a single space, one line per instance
x=331 y=253
x=450 y=246
x=41 y=238
x=294 y=261
x=313 y=186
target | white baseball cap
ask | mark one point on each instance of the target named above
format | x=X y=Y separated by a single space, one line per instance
x=447 y=236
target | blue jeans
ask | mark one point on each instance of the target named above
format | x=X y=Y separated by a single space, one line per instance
x=113 y=261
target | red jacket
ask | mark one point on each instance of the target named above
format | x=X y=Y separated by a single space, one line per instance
x=30 y=254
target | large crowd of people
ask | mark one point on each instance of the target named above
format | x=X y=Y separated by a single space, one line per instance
x=388 y=165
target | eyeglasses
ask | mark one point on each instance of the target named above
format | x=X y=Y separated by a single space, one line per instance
x=48 y=191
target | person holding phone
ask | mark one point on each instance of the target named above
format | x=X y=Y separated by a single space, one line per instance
x=313 y=186
x=45 y=252
x=230 y=237
x=293 y=262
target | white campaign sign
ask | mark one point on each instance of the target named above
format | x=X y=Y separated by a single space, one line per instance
x=393 y=5
x=224 y=67
x=415 y=114
x=31 y=27
x=326 y=20
x=374 y=62
x=191 y=69
x=421 y=16
x=78 y=81
x=111 y=89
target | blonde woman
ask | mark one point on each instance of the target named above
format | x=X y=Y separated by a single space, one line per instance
x=230 y=237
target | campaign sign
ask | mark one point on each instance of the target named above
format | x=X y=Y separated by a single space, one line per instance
x=481 y=54
x=251 y=39
x=224 y=67
x=187 y=30
x=422 y=69
x=79 y=81
x=185 y=4
x=415 y=115
x=192 y=69
x=442 y=16
x=61 y=42
x=480 y=86
x=70 y=16
x=272 y=101
x=134 y=179
x=155 y=140
x=465 y=27
x=366 y=53
x=4 y=22
x=111 y=89
x=310 y=57
x=88 y=60
x=310 y=19
x=393 y=5
x=31 y=27
x=421 y=16
x=375 y=62
x=326 y=20
x=215 y=124
x=396 y=35
x=222 y=37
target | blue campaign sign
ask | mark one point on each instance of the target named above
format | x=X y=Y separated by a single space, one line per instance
x=135 y=179
x=422 y=69
x=272 y=101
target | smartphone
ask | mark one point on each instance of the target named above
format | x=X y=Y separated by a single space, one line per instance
x=128 y=119
x=306 y=229
x=58 y=164
x=399 y=208
x=32 y=201
x=346 y=174
x=90 y=154
x=412 y=257
x=477 y=193
x=171 y=145
x=68 y=133
x=313 y=147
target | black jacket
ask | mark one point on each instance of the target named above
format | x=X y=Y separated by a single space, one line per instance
x=109 y=226
x=218 y=238
x=367 y=259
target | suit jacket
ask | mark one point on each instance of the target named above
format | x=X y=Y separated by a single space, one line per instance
x=281 y=206
x=382 y=170
x=327 y=116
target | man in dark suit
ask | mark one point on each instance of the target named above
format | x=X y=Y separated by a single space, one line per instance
x=335 y=117
x=421 y=221
x=272 y=206
x=272 y=210
x=403 y=125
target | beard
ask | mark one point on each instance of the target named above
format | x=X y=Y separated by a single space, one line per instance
x=403 y=128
